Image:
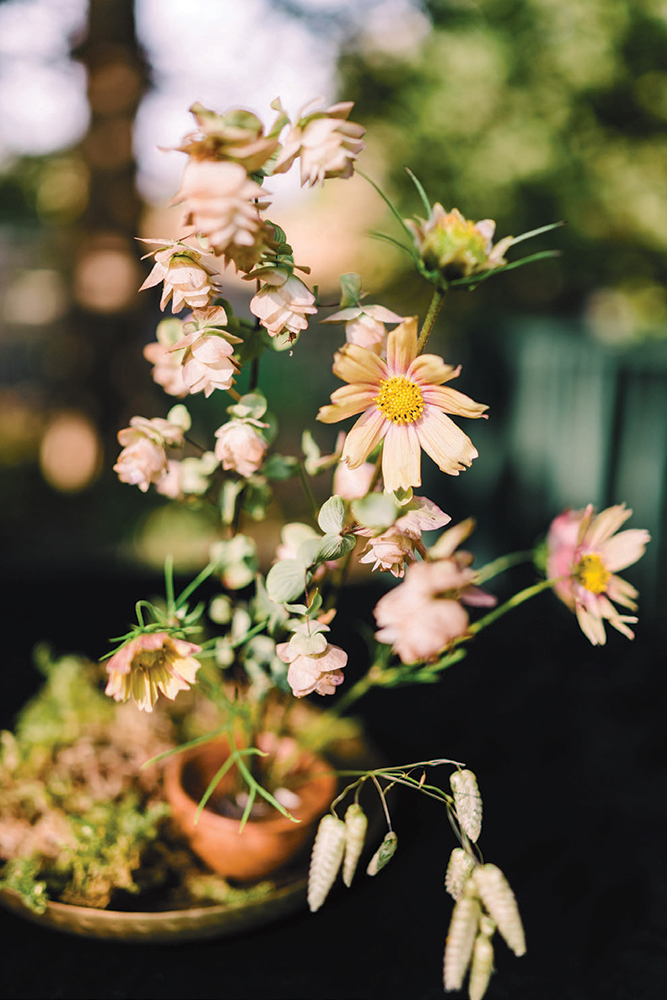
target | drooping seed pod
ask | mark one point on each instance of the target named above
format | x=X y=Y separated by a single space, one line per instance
x=467 y=802
x=325 y=860
x=356 y=823
x=495 y=892
x=461 y=938
x=480 y=968
x=458 y=872
x=384 y=853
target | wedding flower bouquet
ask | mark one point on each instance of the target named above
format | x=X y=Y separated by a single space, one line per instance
x=270 y=636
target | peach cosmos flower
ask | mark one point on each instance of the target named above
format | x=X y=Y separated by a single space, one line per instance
x=403 y=402
x=326 y=143
x=149 y=663
x=143 y=459
x=320 y=672
x=587 y=550
x=187 y=280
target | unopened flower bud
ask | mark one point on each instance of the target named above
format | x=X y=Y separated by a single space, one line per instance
x=384 y=853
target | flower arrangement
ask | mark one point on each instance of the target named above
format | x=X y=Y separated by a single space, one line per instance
x=277 y=638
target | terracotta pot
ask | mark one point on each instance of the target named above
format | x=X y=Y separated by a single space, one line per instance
x=266 y=842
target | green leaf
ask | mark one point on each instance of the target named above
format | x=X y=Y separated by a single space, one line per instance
x=334 y=546
x=308 y=550
x=350 y=287
x=280 y=467
x=422 y=194
x=537 y=232
x=253 y=405
x=377 y=510
x=331 y=518
x=286 y=580
x=309 y=645
x=312 y=452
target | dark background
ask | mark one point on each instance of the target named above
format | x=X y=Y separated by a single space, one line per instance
x=568 y=742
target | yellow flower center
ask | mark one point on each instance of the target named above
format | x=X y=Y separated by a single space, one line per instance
x=400 y=400
x=591 y=574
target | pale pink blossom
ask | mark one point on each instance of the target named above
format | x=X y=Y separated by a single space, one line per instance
x=425 y=613
x=207 y=360
x=393 y=548
x=150 y=663
x=353 y=484
x=240 y=447
x=402 y=402
x=143 y=459
x=365 y=325
x=221 y=203
x=587 y=550
x=169 y=483
x=283 y=303
x=237 y=135
x=320 y=672
x=326 y=143
x=187 y=280
x=417 y=622
x=168 y=370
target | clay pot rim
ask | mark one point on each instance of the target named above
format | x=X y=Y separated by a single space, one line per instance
x=174 y=790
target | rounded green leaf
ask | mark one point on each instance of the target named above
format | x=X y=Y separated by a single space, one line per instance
x=286 y=580
x=332 y=516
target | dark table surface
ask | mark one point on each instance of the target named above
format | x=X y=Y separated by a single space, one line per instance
x=570 y=747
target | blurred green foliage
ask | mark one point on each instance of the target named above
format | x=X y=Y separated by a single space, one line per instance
x=527 y=112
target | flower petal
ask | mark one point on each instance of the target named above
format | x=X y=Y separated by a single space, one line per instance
x=401 y=458
x=452 y=401
x=431 y=368
x=625 y=548
x=357 y=364
x=604 y=525
x=447 y=445
x=364 y=436
x=591 y=626
x=621 y=592
x=402 y=346
x=345 y=402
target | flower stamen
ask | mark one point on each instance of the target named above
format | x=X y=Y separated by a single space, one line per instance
x=591 y=573
x=400 y=400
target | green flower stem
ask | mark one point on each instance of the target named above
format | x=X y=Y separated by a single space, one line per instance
x=198 y=580
x=513 y=602
x=501 y=564
x=431 y=316
x=310 y=496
